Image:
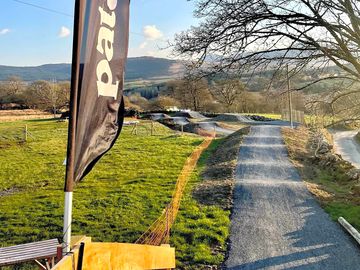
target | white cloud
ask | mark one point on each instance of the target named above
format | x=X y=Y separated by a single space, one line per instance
x=64 y=32
x=4 y=31
x=152 y=43
x=143 y=45
x=151 y=32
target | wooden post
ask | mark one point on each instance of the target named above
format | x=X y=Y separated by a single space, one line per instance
x=289 y=95
x=134 y=129
x=152 y=127
x=26 y=133
x=182 y=130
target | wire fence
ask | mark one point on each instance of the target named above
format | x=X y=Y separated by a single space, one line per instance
x=147 y=128
x=10 y=134
x=296 y=116
x=159 y=232
x=15 y=135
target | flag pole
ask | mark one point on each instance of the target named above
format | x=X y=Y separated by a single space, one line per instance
x=70 y=173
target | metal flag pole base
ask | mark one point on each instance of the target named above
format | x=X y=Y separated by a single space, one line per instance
x=67 y=223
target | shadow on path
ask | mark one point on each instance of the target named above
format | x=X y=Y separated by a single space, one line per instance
x=276 y=223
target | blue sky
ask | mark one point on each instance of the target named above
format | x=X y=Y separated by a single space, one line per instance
x=32 y=36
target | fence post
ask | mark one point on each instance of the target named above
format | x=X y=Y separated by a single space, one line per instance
x=167 y=224
x=26 y=133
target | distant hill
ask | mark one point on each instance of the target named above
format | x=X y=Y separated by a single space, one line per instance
x=60 y=72
x=137 y=68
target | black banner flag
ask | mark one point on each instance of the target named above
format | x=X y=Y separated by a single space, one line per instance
x=97 y=109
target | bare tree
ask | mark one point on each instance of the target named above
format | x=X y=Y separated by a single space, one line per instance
x=48 y=96
x=12 y=90
x=14 y=85
x=141 y=102
x=227 y=92
x=191 y=92
x=250 y=34
x=163 y=103
x=342 y=104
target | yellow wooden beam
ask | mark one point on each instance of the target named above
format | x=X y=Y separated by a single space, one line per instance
x=116 y=256
x=127 y=256
x=69 y=262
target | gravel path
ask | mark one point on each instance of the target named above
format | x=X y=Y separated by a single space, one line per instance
x=347 y=147
x=276 y=223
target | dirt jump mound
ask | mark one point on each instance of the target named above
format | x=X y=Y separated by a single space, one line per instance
x=191 y=114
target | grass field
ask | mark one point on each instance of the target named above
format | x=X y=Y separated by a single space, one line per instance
x=311 y=120
x=117 y=201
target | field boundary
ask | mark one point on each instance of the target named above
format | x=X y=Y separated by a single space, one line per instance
x=159 y=232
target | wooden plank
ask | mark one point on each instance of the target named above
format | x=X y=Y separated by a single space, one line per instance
x=40 y=265
x=34 y=244
x=28 y=252
x=117 y=256
x=350 y=229
x=34 y=254
x=77 y=239
x=127 y=256
x=70 y=259
x=52 y=248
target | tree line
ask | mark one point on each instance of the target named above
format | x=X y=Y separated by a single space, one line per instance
x=42 y=95
x=216 y=95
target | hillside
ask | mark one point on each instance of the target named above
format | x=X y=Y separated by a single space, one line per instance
x=137 y=68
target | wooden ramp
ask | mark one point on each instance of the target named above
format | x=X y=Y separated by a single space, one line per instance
x=31 y=252
x=116 y=256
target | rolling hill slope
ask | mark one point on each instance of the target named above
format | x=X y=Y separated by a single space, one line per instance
x=136 y=68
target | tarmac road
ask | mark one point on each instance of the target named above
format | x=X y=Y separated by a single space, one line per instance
x=276 y=223
x=347 y=146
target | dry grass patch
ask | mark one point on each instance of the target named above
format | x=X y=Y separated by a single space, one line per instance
x=330 y=184
x=13 y=115
x=218 y=175
x=319 y=192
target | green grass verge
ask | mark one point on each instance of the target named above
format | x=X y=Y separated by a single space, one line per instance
x=343 y=203
x=331 y=186
x=200 y=231
x=348 y=211
x=126 y=191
